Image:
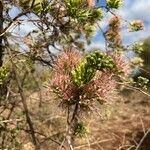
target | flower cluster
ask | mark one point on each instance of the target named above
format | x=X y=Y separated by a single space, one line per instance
x=67 y=61
x=77 y=77
x=142 y=82
x=113 y=33
x=101 y=86
x=138 y=47
x=61 y=83
x=136 y=25
x=137 y=61
x=123 y=66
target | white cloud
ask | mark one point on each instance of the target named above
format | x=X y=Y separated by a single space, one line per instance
x=136 y=9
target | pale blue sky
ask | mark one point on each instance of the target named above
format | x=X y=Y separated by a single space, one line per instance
x=132 y=9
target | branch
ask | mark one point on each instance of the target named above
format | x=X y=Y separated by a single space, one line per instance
x=134 y=88
x=1 y=29
x=137 y=148
x=10 y=120
x=13 y=21
x=32 y=5
x=23 y=98
x=97 y=142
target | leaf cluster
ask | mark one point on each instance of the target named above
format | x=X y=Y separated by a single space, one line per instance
x=114 y=4
x=4 y=72
x=86 y=70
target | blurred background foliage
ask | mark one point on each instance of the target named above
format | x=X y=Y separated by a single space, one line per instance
x=146 y=54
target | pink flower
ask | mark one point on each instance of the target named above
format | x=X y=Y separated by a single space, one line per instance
x=122 y=64
x=91 y=3
x=61 y=82
x=136 y=25
x=105 y=84
x=66 y=61
x=113 y=33
x=99 y=88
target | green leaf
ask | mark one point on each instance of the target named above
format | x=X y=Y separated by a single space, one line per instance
x=114 y=4
x=86 y=69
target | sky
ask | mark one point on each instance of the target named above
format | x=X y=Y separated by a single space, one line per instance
x=131 y=10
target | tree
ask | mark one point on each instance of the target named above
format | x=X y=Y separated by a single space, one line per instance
x=146 y=53
x=61 y=29
x=1 y=29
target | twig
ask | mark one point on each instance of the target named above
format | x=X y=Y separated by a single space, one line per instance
x=61 y=146
x=140 y=143
x=14 y=21
x=32 y=5
x=50 y=138
x=1 y=29
x=23 y=100
x=132 y=146
x=88 y=142
x=69 y=140
x=9 y=27
x=134 y=88
x=5 y=125
x=125 y=146
x=26 y=109
x=11 y=120
x=143 y=127
x=102 y=141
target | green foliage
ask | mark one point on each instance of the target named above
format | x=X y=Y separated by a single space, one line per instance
x=138 y=47
x=83 y=73
x=90 y=30
x=145 y=55
x=25 y=4
x=136 y=25
x=137 y=61
x=86 y=70
x=79 y=129
x=4 y=72
x=43 y=6
x=96 y=14
x=114 y=4
x=40 y=6
x=74 y=9
x=100 y=61
x=77 y=9
x=142 y=82
x=74 y=3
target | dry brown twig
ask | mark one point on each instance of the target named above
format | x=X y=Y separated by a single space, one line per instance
x=11 y=121
x=23 y=98
x=143 y=138
x=93 y=143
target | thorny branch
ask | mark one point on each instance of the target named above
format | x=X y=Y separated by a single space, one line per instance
x=1 y=30
x=29 y=121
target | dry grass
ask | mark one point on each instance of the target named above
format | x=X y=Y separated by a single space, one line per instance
x=122 y=125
